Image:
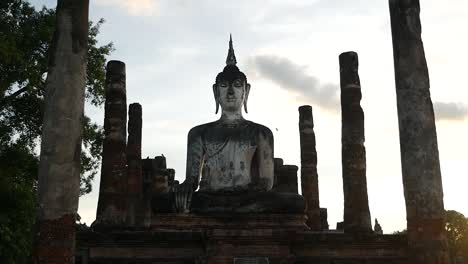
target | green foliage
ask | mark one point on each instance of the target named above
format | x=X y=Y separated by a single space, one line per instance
x=25 y=36
x=456 y=227
x=24 y=43
x=17 y=214
x=457 y=235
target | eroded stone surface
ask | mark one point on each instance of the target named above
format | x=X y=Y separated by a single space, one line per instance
x=278 y=162
x=158 y=186
x=418 y=138
x=134 y=165
x=356 y=205
x=324 y=219
x=287 y=179
x=237 y=157
x=59 y=167
x=230 y=155
x=55 y=243
x=309 y=176
x=112 y=204
x=213 y=240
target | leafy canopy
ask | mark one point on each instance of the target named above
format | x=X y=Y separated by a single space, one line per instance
x=24 y=44
x=457 y=235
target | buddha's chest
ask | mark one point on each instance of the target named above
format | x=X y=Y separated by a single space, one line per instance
x=227 y=163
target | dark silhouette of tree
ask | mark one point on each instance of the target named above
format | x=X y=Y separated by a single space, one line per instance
x=457 y=236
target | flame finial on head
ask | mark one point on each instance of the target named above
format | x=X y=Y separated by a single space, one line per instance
x=231 y=57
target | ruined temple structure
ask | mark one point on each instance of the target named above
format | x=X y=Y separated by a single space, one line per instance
x=239 y=204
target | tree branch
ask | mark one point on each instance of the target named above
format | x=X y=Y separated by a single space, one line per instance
x=6 y=100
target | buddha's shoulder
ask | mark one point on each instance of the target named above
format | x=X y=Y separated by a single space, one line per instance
x=260 y=129
x=200 y=129
x=213 y=126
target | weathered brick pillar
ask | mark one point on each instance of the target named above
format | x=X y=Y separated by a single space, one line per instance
x=353 y=155
x=309 y=176
x=324 y=219
x=287 y=179
x=278 y=163
x=135 y=174
x=418 y=138
x=147 y=169
x=159 y=176
x=112 y=204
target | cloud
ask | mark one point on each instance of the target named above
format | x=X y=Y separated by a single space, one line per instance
x=450 y=111
x=294 y=78
x=134 y=7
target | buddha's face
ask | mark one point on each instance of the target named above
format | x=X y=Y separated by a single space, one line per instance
x=231 y=94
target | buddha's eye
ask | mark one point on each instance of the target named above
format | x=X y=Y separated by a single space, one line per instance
x=237 y=83
x=223 y=84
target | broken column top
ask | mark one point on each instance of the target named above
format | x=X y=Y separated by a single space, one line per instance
x=135 y=109
x=305 y=113
x=278 y=161
x=115 y=82
x=305 y=108
x=349 y=60
x=405 y=3
x=115 y=67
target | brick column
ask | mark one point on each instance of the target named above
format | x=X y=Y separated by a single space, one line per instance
x=418 y=138
x=309 y=176
x=112 y=203
x=278 y=163
x=356 y=206
x=287 y=179
x=135 y=180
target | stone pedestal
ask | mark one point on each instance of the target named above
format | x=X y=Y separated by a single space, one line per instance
x=418 y=138
x=279 y=239
x=229 y=221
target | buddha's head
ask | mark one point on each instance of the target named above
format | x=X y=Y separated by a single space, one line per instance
x=231 y=89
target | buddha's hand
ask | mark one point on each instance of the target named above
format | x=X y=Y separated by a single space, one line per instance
x=183 y=196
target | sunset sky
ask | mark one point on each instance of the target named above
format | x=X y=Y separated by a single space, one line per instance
x=289 y=50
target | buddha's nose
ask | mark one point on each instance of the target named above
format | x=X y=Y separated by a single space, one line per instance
x=230 y=90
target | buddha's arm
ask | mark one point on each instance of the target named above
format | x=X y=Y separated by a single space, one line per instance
x=194 y=157
x=265 y=159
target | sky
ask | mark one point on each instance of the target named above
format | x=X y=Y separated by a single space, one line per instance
x=289 y=50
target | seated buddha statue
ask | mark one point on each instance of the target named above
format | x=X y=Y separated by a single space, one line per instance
x=230 y=161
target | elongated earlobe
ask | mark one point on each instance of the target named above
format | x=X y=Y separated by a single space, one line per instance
x=216 y=96
x=247 y=90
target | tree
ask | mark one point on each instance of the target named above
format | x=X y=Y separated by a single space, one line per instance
x=18 y=201
x=24 y=45
x=456 y=226
x=25 y=35
x=457 y=235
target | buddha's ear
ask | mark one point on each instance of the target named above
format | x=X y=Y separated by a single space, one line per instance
x=246 y=96
x=216 y=96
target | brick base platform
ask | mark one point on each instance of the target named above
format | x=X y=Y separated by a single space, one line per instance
x=278 y=239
